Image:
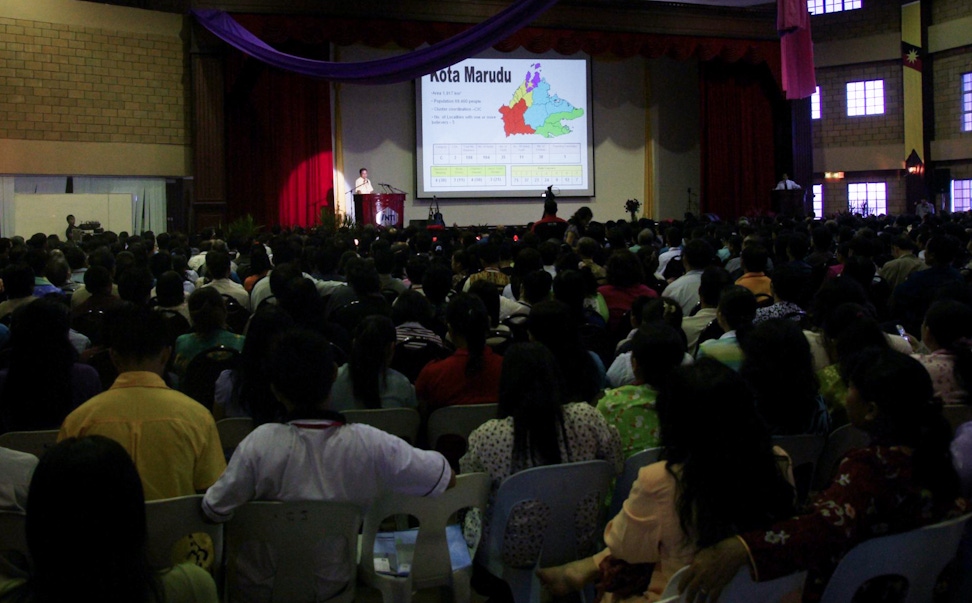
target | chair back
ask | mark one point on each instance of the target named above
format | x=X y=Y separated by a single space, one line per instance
x=232 y=431
x=175 y=324
x=957 y=414
x=350 y=314
x=32 y=442
x=204 y=370
x=804 y=451
x=93 y=325
x=449 y=428
x=632 y=465
x=840 y=441
x=565 y=491
x=13 y=540
x=401 y=422
x=919 y=556
x=295 y=532
x=173 y=519
x=431 y=560
x=742 y=589
x=237 y=316
x=413 y=353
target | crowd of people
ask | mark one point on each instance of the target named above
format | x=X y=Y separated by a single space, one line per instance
x=702 y=337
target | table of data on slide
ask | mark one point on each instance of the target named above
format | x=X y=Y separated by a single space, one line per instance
x=504 y=164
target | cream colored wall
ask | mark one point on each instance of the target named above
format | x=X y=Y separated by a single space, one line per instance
x=90 y=89
x=378 y=132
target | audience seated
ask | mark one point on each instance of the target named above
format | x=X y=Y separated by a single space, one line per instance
x=551 y=324
x=171 y=295
x=711 y=284
x=720 y=476
x=902 y=481
x=86 y=534
x=18 y=283
x=947 y=333
x=737 y=308
x=45 y=381
x=218 y=277
x=696 y=256
x=208 y=312
x=411 y=312
x=625 y=283
x=171 y=437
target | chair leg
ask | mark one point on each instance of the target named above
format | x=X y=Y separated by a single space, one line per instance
x=524 y=585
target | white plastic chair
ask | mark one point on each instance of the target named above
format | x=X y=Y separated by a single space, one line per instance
x=172 y=519
x=919 y=556
x=232 y=431
x=804 y=451
x=563 y=489
x=632 y=465
x=294 y=532
x=742 y=589
x=840 y=441
x=431 y=561
x=33 y=442
x=401 y=422
x=459 y=420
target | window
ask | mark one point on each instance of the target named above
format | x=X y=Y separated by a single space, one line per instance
x=815 y=104
x=865 y=98
x=818 y=201
x=961 y=195
x=967 y=102
x=819 y=7
x=867 y=198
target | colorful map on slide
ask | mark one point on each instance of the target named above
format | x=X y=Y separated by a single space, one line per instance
x=533 y=110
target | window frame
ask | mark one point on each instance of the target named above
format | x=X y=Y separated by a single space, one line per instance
x=880 y=194
x=961 y=191
x=863 y=100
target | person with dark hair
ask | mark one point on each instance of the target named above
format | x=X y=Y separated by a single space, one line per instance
x=470 y=375
x=903 y=480
x=822 y=240
x=713 y=282
x=588 y=249
x=415 y=270
x=625 y=283
x=754 y=276
x=673 y=237
x=527 y=260
x=656 y=350
x=86 y=534
x=97 y=283
x=208 y=312
x=260 y=265
x=536 y=287
x=737 y=308
x=897 y=271
x=44 y=381
x=577 y=225
x=18 y=285
x=245 y=391
x=552 y=324
x=316 y=455
x=171 y=296
x=410 y=313
x=911 y=299
x=696 y=256
x=171 y=437
x=367 y=380
x=218 y=270
x=720 y=475
x=549 y=214
x=37 y=260
x=384 y=265
x=535 y=426
x=489 y=256
x=135 y=285
x=779 y=368
x=947 y=333
x=786 y=288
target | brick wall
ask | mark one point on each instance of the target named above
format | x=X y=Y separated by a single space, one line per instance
x=873 y=18
x=835 y=191
x=948 y=68
x=947 y=10
x=836 y=129
x=82 y=84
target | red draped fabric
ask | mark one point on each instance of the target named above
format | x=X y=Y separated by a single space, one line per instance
x=278 y=154
x=740 y=105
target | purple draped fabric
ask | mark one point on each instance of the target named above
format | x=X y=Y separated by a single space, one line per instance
x=403 y=68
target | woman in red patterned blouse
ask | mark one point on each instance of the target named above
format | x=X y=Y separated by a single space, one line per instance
x=902 y=481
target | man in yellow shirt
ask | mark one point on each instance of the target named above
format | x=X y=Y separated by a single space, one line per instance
x=172 y=438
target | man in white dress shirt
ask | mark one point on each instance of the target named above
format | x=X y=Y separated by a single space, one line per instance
x=785 y=184
x=362 y=186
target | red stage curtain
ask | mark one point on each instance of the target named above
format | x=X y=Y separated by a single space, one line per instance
x=278 y=153
x=738 y=128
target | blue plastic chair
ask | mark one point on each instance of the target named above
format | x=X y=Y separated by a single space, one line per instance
x=632 y=465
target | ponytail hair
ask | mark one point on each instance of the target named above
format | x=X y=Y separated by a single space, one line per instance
x=368 y=364
x=950 y=323
x=467 y=317
x=908 y=415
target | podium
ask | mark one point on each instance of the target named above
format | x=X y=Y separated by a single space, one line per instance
x=381 y=209
x=789 y=202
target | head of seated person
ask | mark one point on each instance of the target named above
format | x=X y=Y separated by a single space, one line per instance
x=531 y=391
x=302 y=371
x=754 y=259
x=656 y=349
x=86 y=527
x=135 y=285
x=97 y=280
x=169 y=290
x=660 y=309
x=624 y=270
x=18 y=281
x=363 y=277
x=139 y=341
x=371 y=355
x=787 y=284
x=697 y=254
x=536 y=286
x=486 y=291
x=207 y=309
x=737 y=308
x=714 y=281
x=412 y=306
x=217 y=265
